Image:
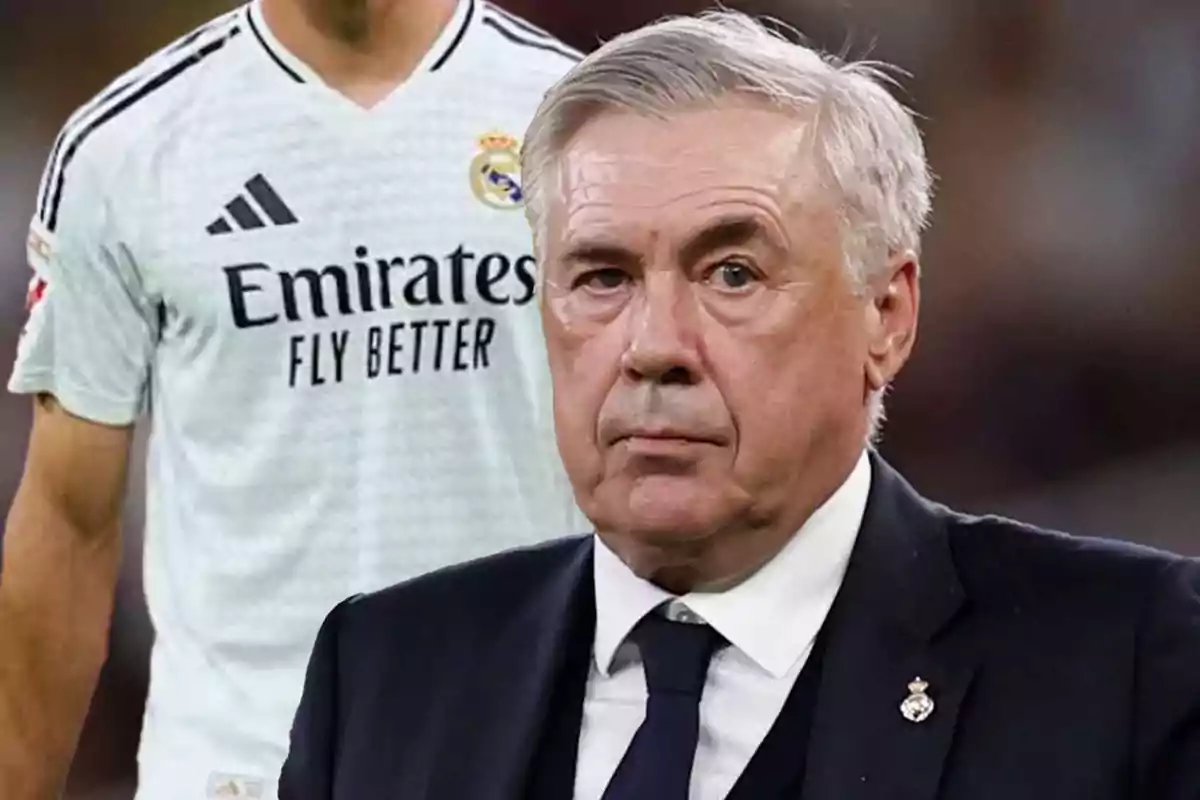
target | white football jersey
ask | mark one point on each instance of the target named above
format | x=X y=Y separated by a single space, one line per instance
x=328 y=314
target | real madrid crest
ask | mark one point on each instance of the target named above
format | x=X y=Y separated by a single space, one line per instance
x=918 y=705
x=496 y=172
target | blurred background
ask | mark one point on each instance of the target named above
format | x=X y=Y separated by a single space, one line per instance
x=1057 y=376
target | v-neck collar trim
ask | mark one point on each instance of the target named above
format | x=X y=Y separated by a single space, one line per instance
x=297 y=71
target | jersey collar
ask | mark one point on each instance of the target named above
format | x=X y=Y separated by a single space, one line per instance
x=295 y=69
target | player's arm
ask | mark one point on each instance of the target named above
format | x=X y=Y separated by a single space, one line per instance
x=62 y=549
x=83 y=357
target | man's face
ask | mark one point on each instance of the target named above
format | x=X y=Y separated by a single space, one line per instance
x=710 y=352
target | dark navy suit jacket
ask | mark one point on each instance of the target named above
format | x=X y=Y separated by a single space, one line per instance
x=1061 y=669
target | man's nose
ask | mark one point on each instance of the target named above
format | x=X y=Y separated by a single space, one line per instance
x=662 y=339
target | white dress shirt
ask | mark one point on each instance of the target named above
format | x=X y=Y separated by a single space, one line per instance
x=770 y=621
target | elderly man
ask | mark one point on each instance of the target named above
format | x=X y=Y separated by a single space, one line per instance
x=728 y=226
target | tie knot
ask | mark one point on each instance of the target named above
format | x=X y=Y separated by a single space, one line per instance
x=675 y=655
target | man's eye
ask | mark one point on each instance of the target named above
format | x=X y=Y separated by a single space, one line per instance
x=602 y=279
x=733 y=275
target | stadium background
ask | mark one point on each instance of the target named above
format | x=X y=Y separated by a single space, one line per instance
x=1057 y=376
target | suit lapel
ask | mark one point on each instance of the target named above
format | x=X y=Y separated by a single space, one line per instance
x=495 y=724
x=891 y=624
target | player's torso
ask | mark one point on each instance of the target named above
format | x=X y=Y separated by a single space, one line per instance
x=375 y=254
x=349 y=386
x=349 y=346
x=347 y=304
x=344 y=292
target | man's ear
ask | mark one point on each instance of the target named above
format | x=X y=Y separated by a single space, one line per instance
x=894 y=300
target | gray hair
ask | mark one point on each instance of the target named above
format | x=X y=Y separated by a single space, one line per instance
x=866 y=144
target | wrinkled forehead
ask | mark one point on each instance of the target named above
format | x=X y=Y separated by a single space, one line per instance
x=624 y=171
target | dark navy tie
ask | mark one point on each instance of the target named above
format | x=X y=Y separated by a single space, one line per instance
x=658 y=763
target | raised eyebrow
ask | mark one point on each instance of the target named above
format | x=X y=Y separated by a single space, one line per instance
x=727 y=232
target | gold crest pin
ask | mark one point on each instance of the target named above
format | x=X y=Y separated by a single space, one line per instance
x=918 y=705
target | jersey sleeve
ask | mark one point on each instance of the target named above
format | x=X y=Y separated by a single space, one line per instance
x=91 y=329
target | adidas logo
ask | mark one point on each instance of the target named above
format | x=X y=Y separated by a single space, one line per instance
x=248 y=216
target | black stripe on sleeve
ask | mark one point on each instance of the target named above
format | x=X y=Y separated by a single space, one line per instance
x=158 y=81
x=274 y=56
x=520 y=24
x=515 y=38
x=196 y=34
x=117 y=89
x=48 y=180
x=64 y=135
x=458 y=37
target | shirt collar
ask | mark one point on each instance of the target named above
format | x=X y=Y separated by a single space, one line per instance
x=447 y=42
x=773 y=616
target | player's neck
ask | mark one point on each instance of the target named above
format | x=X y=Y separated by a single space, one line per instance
x=362 y=48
